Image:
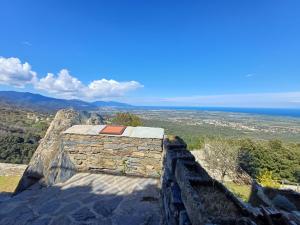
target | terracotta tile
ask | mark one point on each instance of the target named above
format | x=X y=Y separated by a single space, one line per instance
x=116 y=130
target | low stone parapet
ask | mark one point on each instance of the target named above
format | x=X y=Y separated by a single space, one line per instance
x=138 y=151
x=190 y=196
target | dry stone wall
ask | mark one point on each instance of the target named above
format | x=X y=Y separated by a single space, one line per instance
x=114 y=154
x=191 y=197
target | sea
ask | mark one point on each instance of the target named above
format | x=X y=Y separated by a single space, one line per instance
x=258 y=111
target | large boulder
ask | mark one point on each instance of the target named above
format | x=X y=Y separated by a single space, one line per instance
x=49 y=165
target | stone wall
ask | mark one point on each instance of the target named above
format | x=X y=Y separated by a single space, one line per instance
x=191 y=196
x=114 y=154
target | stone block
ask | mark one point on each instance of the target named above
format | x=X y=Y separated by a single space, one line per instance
x=183 y=218
x=175 y=194
x=189 y=170
x=171 y=158
x=138 y=154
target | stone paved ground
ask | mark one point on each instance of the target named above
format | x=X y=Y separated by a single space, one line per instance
x=86 y=199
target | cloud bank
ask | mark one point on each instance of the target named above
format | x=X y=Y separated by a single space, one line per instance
x=14 y=73
x=63 y=85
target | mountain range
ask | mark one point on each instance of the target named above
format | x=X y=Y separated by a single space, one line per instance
x=37 y=102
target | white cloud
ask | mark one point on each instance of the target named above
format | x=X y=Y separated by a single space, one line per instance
x=67 y=86
x=249 y=75
x=110 y=88
x=62 y=85
x=14 y=73
x=27 y=43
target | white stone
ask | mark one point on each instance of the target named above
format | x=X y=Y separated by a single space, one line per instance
x=135 y=132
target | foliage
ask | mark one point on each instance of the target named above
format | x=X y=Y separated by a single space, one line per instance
x=283 y=160
x=18 y=149
x=196 y=143
x=267 y=179
x=221 y=157
x=279 y=156
x=20 y=132
x=127 y=119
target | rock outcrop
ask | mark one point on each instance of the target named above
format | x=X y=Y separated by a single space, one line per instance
x=49 y=165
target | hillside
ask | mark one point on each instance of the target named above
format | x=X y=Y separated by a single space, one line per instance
x=20 y=132
x=40 y=103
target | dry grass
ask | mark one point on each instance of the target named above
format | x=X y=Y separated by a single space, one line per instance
x=241 y=191
x=215 y=203
x=8 y=183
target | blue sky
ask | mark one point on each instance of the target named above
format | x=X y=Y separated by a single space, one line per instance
x=197 y=53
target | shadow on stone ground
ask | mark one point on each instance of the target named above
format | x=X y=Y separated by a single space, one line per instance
x=86 y=199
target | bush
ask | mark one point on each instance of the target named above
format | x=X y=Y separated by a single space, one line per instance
x=267 y=179
x=127 y=119
x=283 y=160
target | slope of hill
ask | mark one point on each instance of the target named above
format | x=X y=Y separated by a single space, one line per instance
x=40 y=103
x=20 y=132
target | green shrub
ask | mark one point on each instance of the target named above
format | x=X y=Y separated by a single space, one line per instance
x=127 y=119
x=283 y=160
x=267 y=179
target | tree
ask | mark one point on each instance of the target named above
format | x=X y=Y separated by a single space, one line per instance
x=127 y=119
x=266 y=179
x=280 y=158
x=221 y=157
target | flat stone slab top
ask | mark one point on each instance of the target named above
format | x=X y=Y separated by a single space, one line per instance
x=86 y=199
x=136 y=132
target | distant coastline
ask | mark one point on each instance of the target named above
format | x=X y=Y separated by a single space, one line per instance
x=286 y=112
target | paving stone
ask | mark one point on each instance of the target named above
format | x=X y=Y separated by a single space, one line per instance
x=106 y=206
x=20 y=216
x=90 y=199
x=83 y=215
x=101 y=221
x=69 y=208
x=62 y=220
x=42 y=221
x=128 y=219
x=49 y=207
x=81 y=204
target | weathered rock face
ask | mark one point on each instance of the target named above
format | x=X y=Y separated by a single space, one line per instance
x=91 y=118
x=48 y=162
x=114 y=154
